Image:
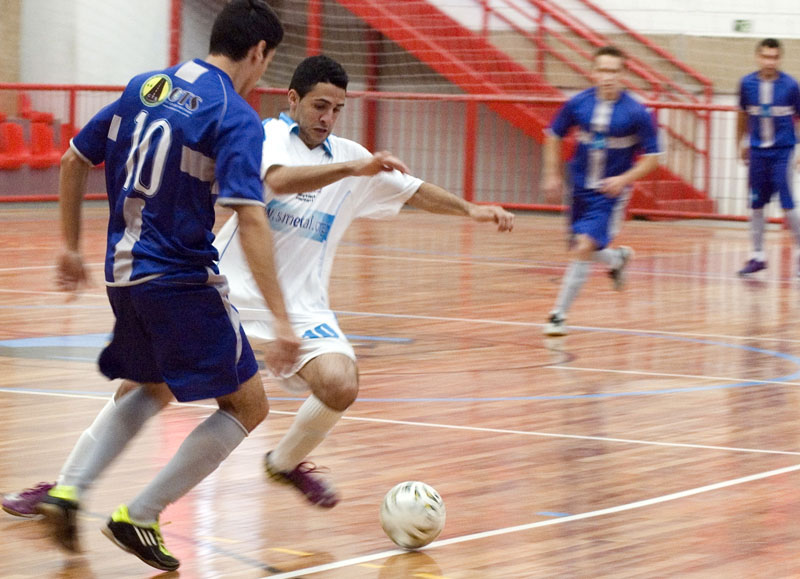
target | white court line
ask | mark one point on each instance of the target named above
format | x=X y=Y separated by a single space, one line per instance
x=668 y=375
x=536 y=324
x=477 y=261
x=545 y=523
x=560 y=266
x=35 y=267
x=450 y=426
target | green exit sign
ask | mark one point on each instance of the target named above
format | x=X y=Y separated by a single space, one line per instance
x=742 y=25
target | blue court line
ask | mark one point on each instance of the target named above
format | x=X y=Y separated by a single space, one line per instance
x=552 y=514
x=76 y=341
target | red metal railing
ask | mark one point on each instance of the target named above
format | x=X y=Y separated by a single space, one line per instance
x=702 y=80
x=471 y=175
x=662 y=87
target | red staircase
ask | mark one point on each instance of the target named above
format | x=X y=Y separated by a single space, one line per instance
x=478 y=67
x=464 y=58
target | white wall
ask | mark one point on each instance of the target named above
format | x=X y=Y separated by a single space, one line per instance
x=692 y=17
x=92 y=41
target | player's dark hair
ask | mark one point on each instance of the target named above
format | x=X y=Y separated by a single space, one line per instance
x=241 y=25
x=316 y=69
x=769 y=43
x=609 y=50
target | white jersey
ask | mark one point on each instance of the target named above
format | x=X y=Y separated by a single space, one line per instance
x=307 y=227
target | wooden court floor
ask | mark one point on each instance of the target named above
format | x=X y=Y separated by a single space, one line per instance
x=661 y=438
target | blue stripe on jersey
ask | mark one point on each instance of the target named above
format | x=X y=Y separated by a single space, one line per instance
x=174 y=141
x=630 y=129
x=770 y=107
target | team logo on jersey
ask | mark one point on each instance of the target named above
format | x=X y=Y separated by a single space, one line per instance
x=155 y=90
x=312 y=224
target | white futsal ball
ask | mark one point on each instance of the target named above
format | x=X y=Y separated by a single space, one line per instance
x=412 y=514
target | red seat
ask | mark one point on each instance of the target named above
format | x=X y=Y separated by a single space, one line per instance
x=44 y=153
x=25 y=110
x=66 y=132
x=14 y=152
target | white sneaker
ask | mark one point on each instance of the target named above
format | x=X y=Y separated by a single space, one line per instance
x=617 y=275
x=555 y=325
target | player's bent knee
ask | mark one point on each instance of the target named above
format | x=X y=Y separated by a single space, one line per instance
x=338 y=395
x=248 y=404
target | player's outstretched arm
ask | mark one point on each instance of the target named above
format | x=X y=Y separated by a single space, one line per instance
x=256 y=239
x=71 y=274
x=434 y=199
x=287 y=180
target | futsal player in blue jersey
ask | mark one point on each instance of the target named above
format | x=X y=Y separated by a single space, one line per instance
x=770 y=101
x=612 y=128
x=174 y=142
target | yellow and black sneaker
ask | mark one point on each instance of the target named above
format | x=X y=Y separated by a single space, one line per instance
x=144 y=541
x=60 y=510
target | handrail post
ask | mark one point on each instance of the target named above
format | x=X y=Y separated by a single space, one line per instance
x=314 y=28
x=470 y=138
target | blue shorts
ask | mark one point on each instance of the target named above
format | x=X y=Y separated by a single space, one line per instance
x=771 y=170
x=596 y=215
x=187 y=335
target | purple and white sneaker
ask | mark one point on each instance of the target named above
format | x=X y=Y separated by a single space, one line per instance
x=23 y=503
x=306 y=479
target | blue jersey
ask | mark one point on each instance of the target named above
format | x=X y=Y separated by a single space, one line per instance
x=609 y=135
x=174 y=142
x=770 y=107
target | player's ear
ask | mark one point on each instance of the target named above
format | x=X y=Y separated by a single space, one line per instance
x=257 y=52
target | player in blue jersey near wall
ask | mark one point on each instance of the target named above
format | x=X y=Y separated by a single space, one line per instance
x=770 y=101
x=176 y=141
x=611 y=129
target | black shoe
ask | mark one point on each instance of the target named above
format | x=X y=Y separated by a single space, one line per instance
x=60 y=510
x=144 y=541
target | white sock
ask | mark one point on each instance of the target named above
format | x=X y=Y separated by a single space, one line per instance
x=83 y=448
x=757 y=226
x=112 y=434
x=312 y=424
x=571 y=285
x=611 y=257
x=200 y=454
x=793 y=221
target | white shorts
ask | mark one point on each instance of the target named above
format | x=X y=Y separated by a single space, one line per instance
x=318 y=335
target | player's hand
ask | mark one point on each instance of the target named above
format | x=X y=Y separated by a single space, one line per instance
x=379 y=162
x=744 y=154
x=554 y=189
x=613 y=186
x=71 y=273
x=281 y=354
x=495 y=213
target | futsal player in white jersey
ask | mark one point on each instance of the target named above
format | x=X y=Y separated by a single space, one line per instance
x=173 y=143
x=769 y=100
x=612 y=127
x=316 y=185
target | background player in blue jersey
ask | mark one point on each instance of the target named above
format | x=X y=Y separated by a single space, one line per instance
x=770 y=101
x=612 y=127
x=174 y=142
